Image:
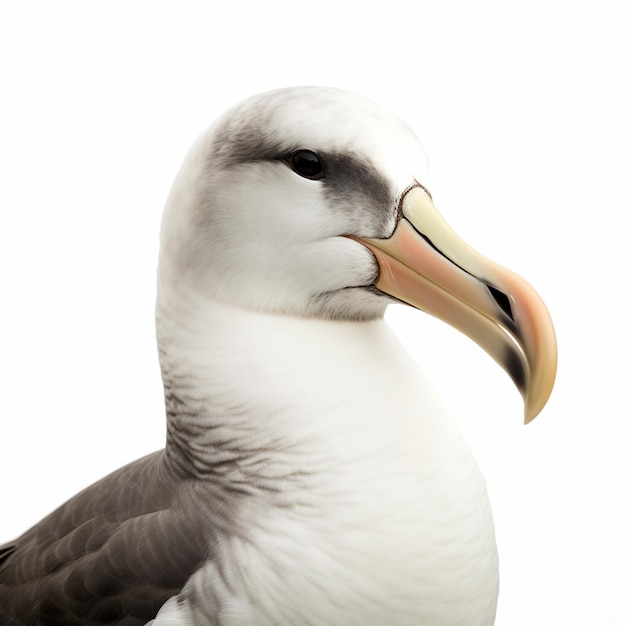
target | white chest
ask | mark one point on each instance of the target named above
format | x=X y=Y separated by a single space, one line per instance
x=420 y=553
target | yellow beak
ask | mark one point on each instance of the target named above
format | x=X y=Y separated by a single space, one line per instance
x=427 y=265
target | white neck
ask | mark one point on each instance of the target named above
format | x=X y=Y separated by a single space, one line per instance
x=346 y=444
x=243 y=383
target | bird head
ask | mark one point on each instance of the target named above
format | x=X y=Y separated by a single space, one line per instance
x=313 y=202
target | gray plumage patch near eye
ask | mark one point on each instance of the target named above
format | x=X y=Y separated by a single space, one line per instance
x=243 y=137
x=353 y=185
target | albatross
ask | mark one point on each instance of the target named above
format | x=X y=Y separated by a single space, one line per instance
x=311 y=474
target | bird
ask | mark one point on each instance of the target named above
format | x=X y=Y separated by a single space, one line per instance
x=311 y=472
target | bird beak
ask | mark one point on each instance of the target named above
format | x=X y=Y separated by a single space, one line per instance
x=427 y=265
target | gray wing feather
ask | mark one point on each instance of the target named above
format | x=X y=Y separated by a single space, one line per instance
x=113 y=553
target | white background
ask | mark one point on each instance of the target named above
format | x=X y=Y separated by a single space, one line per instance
x=521 y=107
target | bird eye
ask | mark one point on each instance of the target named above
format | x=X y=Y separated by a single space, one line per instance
x=307 y=164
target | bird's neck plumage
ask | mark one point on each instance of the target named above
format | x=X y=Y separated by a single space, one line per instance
x=328 y=435
x=240 y=384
